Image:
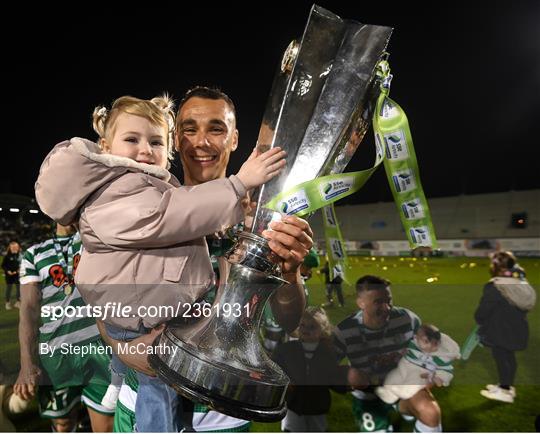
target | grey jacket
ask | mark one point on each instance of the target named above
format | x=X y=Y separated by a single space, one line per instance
x=142 y=233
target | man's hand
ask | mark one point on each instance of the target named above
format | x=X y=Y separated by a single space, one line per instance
x=27 y=381
x=139 y=359
x=291 y=239
x=357 y=379
x=29 y=319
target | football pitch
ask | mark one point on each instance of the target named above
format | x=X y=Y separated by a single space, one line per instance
x=442 y=291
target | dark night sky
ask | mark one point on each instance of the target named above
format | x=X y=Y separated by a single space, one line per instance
x=468 y=77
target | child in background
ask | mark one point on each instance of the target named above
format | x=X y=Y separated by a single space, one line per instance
x=502 y=319
x=427 y=361
x=311 y=364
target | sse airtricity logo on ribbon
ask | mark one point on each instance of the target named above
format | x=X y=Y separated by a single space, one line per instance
x=420 y=235
x=404 y=181
x=336 y=248
x=413 y=209
x=396 y=146
x=294 y=203
x=329 y=216
x=336 y=187
x=391 y=129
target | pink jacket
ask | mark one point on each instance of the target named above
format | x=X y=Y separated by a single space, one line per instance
x=143 y=234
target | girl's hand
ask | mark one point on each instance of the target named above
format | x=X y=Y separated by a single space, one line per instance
x=261 y=168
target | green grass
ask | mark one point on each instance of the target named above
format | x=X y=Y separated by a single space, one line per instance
x=448 y=302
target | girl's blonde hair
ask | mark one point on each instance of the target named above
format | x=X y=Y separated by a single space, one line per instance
x=318 y=314
x=158 y=111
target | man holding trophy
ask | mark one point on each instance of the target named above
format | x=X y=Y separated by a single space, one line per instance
x=324 y=95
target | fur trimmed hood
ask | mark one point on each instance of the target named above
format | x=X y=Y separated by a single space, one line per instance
x=517 y=292
x=75 y=169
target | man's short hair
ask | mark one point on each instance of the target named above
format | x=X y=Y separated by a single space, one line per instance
x=369 y=283
x=208 y=93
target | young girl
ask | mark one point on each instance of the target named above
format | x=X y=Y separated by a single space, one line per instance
x=145 y=258
x=502 y=319
x=311 y=364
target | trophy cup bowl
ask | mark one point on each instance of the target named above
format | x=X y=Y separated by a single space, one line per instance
x=318 y=111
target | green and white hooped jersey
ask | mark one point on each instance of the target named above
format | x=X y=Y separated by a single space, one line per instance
x=45 y=263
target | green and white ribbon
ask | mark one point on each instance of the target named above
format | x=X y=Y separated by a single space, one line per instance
x=312 y=195
x=391 y=128
x=335 y=247
x=394 y=147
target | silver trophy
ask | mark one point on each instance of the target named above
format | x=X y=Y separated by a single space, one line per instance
x=319 y=109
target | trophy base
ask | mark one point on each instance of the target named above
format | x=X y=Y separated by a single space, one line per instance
x=230 y=390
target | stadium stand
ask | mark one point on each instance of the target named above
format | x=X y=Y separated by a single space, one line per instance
x=464 y=217
x=470 y=217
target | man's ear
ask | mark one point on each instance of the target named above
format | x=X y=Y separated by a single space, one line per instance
x=360 y=302
x=176 y=141
x=236 y=134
